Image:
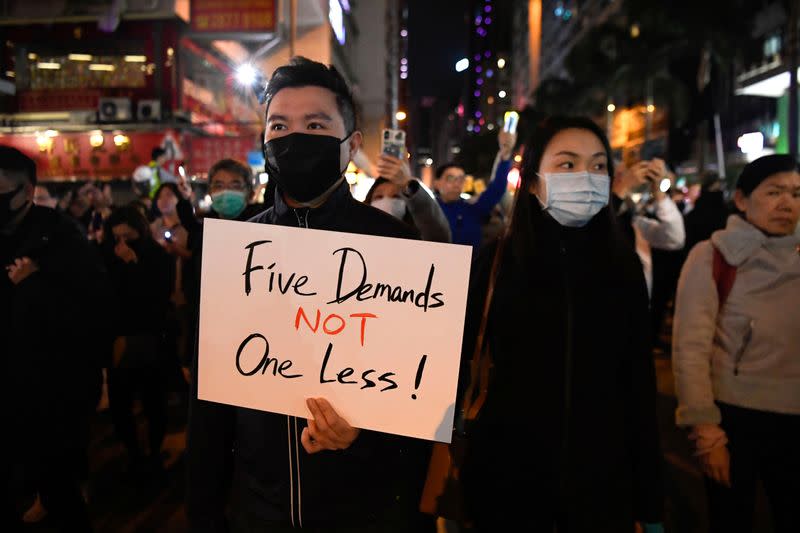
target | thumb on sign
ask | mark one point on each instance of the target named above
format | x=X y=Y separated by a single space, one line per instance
x=327 y=430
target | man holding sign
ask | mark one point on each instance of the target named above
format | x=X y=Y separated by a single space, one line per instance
x=309 y=467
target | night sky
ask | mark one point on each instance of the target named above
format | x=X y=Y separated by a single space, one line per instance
x=437 y=38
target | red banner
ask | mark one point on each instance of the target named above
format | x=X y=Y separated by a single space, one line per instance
x=205 y=151
x=68 y=155
x=234 y=15
x=58 y=99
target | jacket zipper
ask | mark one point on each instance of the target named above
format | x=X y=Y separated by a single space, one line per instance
x=740 y=352
x=565 y=433
x=302 y=218
x=291 y=467
x=294 y=437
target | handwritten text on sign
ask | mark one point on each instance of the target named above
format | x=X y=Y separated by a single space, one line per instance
x=372 y=324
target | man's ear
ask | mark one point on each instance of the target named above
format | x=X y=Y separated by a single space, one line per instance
x=355 y=143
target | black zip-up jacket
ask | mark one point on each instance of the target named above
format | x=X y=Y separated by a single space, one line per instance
x=255 y=461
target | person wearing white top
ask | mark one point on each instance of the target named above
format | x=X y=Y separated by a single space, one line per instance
x=735 y=351
x=664 y=232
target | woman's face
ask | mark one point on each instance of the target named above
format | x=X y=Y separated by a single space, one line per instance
x=773 y=206
x=386 y=190
x=167 y=201
x=124 y=233
x=571 y=150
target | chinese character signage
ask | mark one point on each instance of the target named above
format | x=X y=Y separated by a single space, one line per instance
x=234 y=15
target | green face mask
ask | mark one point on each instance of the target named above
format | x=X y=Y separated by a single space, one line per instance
x=229 y=204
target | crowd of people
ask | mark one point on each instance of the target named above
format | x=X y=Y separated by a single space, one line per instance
x=595 y=254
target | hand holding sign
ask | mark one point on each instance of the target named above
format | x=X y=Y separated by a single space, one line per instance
x=327 y=430
x=373 y=325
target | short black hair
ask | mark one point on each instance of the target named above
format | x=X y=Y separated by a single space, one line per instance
x=441 y=168
x=234 y=167
x=757 y=171
x=303 y=72
x=15 y=161
x=157 y=152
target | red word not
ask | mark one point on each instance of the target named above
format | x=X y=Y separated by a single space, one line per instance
x=333 y=323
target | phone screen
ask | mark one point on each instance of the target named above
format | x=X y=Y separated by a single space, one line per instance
x=510 y=121
x=393 y=143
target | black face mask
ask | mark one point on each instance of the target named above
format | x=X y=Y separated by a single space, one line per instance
x=6 y=213
x=304 y=166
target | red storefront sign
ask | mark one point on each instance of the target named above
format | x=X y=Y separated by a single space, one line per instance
x=68 y=155
x=58 y=99
x=234 y=15
x=203 y=152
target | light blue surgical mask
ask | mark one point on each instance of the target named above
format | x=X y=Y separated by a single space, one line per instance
x=394 y=206
x=573 y=198
x=229 y=204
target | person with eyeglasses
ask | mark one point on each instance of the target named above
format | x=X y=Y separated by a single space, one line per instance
x=466 y=217
x=230 y=184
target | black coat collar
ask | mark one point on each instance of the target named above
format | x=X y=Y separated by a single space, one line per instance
x=322 y=215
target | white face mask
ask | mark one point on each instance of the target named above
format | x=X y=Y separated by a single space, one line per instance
x=394 y=206
x=573 y=198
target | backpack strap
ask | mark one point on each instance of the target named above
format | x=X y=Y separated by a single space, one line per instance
x=481 y=364
x=724 y=275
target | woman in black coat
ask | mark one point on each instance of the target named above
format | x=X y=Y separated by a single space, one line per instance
x=142 y=276
x=570 y=416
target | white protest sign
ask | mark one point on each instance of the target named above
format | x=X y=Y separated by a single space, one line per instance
x=372 y=324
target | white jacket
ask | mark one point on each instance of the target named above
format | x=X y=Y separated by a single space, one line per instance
x=747 y=353
x=665 y=232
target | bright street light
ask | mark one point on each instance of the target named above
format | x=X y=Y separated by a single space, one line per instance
x=501 y=94
x=750 y=143
x=501 y=63
x=246 y=74
x=611 y=108
x=462 y=64
x=400 y=115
